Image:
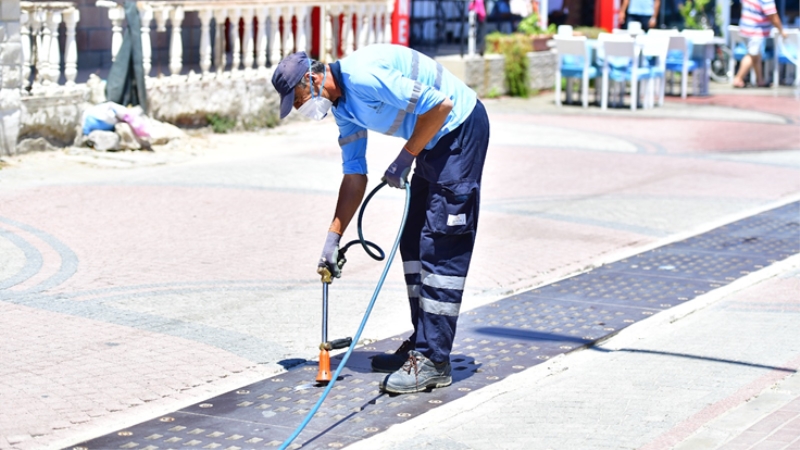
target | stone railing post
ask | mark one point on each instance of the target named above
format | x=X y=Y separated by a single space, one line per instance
x=358 y=12
x=176 y=42
x=53 y=48
x=146 y=15
x=379 y=23
x=11 y=79
x=387 y=24
x=247 y=47
x=262 y=15
x=233 y=37
x=327 y=26
x=25 y=40
x=116 y=15
x=309 y=30
x=205 y=40
x=300 y=42
x=71 y=18
x=274 y=35
x=348 y=46
x=363 y=18
x=372 y=13
x=41 y=38
x=220 y=59
x=288 y=37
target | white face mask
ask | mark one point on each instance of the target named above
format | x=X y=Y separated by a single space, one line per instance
x=316 y=108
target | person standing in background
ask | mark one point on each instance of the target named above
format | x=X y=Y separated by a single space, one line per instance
x=758 y=18
x=643 y=11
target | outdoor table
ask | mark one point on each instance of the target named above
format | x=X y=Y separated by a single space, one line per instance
x=703 y=50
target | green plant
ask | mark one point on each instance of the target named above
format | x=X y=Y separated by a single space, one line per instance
x=694 y=14
x=530 y=26
x=494 y=92
x=514 y=48
x=516 y=71
x=220 y=124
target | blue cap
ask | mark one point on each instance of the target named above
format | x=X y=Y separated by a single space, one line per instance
x=286 y=76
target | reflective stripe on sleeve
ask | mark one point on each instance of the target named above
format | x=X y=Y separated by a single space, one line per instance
x=414 y=98
x=439 y=70
x=443 y=281
x=439 y=308
x=352 y=138
x=401 y=115
x=413 y=290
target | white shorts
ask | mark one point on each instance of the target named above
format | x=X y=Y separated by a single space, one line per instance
x=755 y=45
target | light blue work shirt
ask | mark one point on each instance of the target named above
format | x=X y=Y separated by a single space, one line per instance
x=641 y=7
x=385 y=88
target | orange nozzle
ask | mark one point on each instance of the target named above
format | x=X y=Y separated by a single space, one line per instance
x=324 y=373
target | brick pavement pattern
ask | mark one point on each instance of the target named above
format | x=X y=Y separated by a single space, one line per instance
x=131 y=285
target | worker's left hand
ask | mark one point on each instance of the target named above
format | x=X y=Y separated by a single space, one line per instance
x=396 y=175
x=330 y=255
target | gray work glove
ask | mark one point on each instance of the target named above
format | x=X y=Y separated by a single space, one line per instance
x=330 y=255
x=396 y=175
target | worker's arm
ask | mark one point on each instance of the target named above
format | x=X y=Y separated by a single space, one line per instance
x=427 y=126
x=351 y=192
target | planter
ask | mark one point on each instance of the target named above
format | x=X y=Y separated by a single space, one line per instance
x=539 y=42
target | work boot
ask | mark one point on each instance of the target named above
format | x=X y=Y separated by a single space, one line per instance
x=391 y=362
x=417 y=374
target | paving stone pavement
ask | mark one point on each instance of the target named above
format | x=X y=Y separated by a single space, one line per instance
x=134 y=284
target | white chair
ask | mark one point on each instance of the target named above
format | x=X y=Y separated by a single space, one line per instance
x=620 y=64
x=573 y=61
x=663 y=32
x=655 y=47
x=787 y=54
x=698 y=35
x=635 y=28
x=678 y=60
x=564 y=30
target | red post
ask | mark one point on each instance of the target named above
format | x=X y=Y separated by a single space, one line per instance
x=606 y=14
x=401 y=21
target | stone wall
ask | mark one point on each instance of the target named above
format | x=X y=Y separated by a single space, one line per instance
x=483 y=74
x=486 y=75
x=10 y=75
x=542 y=70
x=251 y=101
x=55 y=118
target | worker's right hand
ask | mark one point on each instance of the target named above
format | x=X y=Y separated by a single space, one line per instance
x=330 y=255
x=396 y=175
x=621 y=18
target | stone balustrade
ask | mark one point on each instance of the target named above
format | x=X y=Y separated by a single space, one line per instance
x=258 y=33
x=255 y=33
x=41 y=49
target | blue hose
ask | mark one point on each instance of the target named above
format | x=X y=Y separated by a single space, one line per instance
x=357 y=336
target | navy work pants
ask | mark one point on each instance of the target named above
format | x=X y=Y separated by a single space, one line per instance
x=437 y=241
